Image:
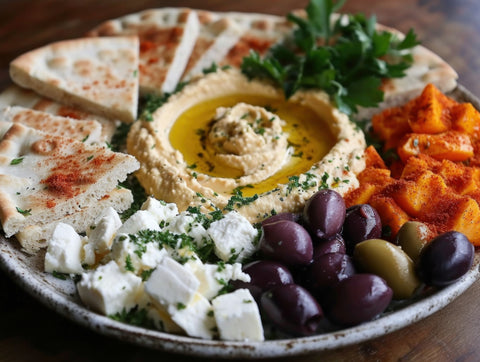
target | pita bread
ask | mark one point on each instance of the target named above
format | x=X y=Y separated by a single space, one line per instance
x=34 y=237
x=17 y=96
x=215 y=40
x=98 y=75
x=84 y=131
x=43 y=178
x=260 y=33
x=167 y=37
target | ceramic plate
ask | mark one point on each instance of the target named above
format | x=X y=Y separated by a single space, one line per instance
x=60 y=295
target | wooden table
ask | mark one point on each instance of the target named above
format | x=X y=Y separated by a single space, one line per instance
x=30 y=332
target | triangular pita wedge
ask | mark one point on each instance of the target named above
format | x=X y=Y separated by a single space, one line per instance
x=217 y=36
x=17 y=96
x=259 y=33
x=85 y=131
x=33 y=238
x=98 y=75
x=43 y=178
x=167 y=37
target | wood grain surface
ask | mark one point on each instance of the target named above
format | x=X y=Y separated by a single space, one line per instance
x=31 y=332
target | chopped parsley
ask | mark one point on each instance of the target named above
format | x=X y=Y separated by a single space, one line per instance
x=16 y=161
x=24 y=212
x=135 y=316
x=348 y=60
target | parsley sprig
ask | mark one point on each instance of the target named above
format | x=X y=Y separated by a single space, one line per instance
x=347 y=59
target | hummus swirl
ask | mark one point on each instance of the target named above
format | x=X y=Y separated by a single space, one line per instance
x=248 y=139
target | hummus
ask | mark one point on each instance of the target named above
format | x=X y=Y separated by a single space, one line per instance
x=230 y=143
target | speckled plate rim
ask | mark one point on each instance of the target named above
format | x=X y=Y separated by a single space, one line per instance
x=60 y=295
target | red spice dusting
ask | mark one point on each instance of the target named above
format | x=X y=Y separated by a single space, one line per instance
x=51 y=204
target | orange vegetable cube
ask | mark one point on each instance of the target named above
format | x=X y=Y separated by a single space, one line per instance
x=431 y=113
x=390 y=213
x=419 y=194
x=459 y=177
x=465 y=118
x=450 y=145
x=373 y=159
x=391 y=124
x=376 y=176
x=463 y=215
x=361 y=195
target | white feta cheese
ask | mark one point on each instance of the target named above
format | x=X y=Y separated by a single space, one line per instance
x=103 y=231
x=88 y=252
x=196 y=318
x=213 y=277
x=64 y=251
x=234 y=237
x=237 y=316
x=160 y=210
x=141 y=220
x=130 y=257
x=186 y=224
x=171 y=284
x=109 y=290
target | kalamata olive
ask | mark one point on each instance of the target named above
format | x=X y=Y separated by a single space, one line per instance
x=412 y=237
x=286 y=242
x=445 y=259
x=358 y=299
x=282 y=216
x=292 y=308
x=327 y=270
x=264 y=275
x=362 y=222
x=333 y=245
x=324 y=213
x=390 y=262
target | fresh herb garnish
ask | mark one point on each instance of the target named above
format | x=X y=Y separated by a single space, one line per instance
x=346 y=59
x=24 y=212
x=16 y=161
x=135 y=316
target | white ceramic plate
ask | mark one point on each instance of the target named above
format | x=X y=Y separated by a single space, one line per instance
x=60 y=295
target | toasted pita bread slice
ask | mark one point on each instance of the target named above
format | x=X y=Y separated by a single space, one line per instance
x=167 y=37
x=215 y=40
x=84 y=131
x=259 y=33
x=43 y=178
x=34 y=237
x=98 y=75
x=17 y=96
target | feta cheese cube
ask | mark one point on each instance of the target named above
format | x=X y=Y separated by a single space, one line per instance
x=234 y=237
x=109 y=290
x=171 y=284
x=141 y=220
x=160 y=210
x=134 y=258
x=88 y=252
x=186 y=224
x=237 y=316
x=103 y=231
x=64 y=251
x=214 y=277
x=196 y=318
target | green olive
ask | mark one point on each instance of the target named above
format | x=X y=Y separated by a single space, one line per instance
x=412 y=237
x=390 y=262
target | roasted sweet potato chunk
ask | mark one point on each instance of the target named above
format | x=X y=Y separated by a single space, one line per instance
x=465 y=118
x=450 y=145
x=419 y=194
x=390 y=213
x=431 y=113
